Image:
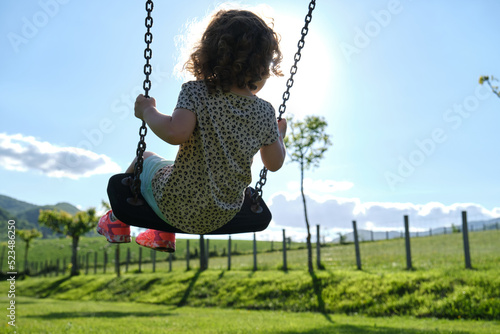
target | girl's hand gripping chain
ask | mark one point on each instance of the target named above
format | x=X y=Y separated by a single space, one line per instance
x=142 y=103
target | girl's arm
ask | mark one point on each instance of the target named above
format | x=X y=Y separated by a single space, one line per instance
x=175 y=129
x=274 y=155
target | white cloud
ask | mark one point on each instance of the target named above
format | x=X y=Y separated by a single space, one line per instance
x=338 y=213
x=26 y=153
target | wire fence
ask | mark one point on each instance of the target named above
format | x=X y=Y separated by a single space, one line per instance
x=371 y=248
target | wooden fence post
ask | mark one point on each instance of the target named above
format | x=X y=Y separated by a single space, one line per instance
x=465 y=234
x=105 y=261
x=285 y=267
x=407 y=243
x=140 y=259
x=153 y=259
x=254 y=252
x=318 y=248
x=229 y=253
x=170 y=262
x=117 y=260
x=86 y=263
x=207 y=251
x=188 y=255
x=128 y=260
x=203 y=258
x=356 y=245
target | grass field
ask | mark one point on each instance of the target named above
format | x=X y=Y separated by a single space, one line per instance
x=439 y=296
x=459 y=294
x=436 y=252
x=55 y=316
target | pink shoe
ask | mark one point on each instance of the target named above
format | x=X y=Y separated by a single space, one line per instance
x=115 y=231
x=157 y=240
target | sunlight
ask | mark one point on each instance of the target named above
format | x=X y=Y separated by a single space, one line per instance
x=313 y=82
x=309 y=90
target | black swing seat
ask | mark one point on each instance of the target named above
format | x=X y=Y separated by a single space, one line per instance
x=245 y=220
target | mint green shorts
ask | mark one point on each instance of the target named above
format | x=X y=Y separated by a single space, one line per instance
x=151 y=165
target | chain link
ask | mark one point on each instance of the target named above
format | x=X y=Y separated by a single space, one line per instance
x=148 y=69
x=296 y=58
x=286 y=95
x=148 y=54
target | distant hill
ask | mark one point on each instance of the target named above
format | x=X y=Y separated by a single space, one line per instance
x=14 y=206
x=26 y=214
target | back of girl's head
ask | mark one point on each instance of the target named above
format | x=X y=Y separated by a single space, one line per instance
x=237 y=48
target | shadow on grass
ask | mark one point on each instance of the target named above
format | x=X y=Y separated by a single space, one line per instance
x=103 y=314
x=52 y=288
x=351 y=329
x=185 y=297
x=318 y=291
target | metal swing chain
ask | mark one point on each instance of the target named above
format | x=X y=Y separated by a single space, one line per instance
x=148 y=69
x=286 y=95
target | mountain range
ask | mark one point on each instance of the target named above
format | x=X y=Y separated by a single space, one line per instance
x=26 y=214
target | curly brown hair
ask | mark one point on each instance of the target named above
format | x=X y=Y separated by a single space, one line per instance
x=237 y=48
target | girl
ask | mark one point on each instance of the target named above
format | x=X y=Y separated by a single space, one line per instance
x=219 y=123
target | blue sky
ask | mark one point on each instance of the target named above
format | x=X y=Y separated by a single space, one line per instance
x=413 y=132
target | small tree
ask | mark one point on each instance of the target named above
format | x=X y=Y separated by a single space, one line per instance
x=488 y=80
x=27 y=236
x=342 y=238
x=306 y=144
x=105 y=205
x=73 y=226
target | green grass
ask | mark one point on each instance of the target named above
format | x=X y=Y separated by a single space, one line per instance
x=435 y=252
x=51 y=250
x=439 y=296
x=55 y=316
x=439 y=287
x=459 y=294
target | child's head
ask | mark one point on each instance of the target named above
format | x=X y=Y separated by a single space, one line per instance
x=237 y=48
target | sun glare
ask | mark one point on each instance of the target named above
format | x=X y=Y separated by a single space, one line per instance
x=312 y=83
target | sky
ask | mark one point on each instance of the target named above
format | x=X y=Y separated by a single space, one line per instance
x=413 y=131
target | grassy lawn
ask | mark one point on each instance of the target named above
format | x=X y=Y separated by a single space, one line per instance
x=58 y=316
x=439 y=296
x=435 y=252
